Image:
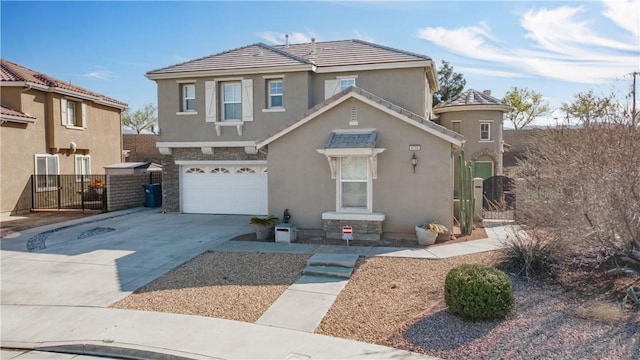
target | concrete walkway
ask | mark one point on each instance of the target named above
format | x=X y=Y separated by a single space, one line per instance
x=303 y=306
x=56 y=298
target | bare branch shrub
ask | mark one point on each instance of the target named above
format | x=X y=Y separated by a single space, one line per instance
x=583 y=188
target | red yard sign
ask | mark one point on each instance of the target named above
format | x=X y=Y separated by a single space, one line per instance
x=347 y=230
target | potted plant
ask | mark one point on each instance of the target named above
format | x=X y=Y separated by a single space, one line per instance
x=427 y=233
x=264 y=226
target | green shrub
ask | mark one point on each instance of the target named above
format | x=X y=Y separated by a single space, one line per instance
x=529 y=258
x=478 y=292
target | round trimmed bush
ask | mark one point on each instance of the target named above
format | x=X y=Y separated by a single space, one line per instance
x=478 y=292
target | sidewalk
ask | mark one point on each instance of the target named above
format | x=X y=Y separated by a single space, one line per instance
x=36 y=314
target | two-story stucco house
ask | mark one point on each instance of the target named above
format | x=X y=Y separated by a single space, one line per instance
x=50 y=127
x=478 y=117
x=337 y=132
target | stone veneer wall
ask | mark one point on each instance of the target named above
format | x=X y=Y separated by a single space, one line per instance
x=171 y=171
x=362 y=229
x=125 y=191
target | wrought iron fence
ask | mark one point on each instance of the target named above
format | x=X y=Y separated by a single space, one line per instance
x=83 y=192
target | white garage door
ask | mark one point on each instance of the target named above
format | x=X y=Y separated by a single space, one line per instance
x=224 y=189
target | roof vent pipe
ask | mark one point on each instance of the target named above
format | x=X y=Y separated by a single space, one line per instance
x=313 y=46
x=486 y=92
x=286 y=40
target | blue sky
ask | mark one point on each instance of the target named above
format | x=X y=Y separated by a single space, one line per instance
x=556 y=48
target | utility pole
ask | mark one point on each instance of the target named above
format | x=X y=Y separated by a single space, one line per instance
x=634 y=114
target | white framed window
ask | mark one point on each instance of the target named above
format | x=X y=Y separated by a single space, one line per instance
x=485 y=131
x=83 y=167
x=46 y=172
x=231 y=101
x=346 y=82
x=275 y=89
x=73 y=113
x=354 y=184
x=188 y=97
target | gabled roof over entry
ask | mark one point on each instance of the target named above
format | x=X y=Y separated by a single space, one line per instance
x=351 y=139
x=375 y=101
x=472 y=100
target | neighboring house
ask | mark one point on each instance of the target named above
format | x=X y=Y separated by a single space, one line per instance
x=337 y=132
x=478 y=117
x=141 y=148
x=51 y=127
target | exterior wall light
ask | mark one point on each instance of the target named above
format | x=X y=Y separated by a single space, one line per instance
x=414 y=162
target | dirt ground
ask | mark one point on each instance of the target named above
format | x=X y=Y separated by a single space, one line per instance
x=12 y=225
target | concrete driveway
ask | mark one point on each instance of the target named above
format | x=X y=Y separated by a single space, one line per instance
x=98 y=262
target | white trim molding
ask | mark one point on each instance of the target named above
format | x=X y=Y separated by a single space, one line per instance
x=354 y=216
x=187 y=113
x=333 y=154
x=197 y=144
x=220 y=162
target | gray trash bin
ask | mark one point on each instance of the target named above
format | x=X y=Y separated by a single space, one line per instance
x=285 y=233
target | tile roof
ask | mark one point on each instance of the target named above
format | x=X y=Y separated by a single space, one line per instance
x=356 y=90
x=352 y=139
x=470 y=97
x=10 y=71
x=350 y=52
x=11 y=112
x=330 y=53
x=253 y=56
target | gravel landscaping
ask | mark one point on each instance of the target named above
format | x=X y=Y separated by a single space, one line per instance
x=399 y=302
x=228 y=285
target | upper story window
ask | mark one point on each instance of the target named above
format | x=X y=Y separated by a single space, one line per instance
x=334 y=86
x=46 y=172
x=345 y=83
x=188 y=97
x=73 y=113
x=275 y=93
x=83 y=167
x=455 y=126
x=485 y=131
x=231 y=101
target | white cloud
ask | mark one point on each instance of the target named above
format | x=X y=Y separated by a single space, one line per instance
x=279 y=39
x=180 y=59
x=625 y=14
x=99 y=75
x=488 y=72
x=560 y=46
x=362 y=36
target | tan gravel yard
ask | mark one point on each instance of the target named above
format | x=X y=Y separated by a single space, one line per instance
x=228 y=285
x=385 y=292
x=399 y=302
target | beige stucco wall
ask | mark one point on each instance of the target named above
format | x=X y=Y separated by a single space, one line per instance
x=195 y=128
x=300 y=179
x=403 y=87
x=470 y=127
x=20 y=142
x=302 y=90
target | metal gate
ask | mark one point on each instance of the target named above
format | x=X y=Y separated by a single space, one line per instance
x=499 y=197
x=82 y=192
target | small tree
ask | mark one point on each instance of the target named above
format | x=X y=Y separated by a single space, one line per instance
x=526 y=106
x=587 y=107
x=451 y=84
x=141 y=119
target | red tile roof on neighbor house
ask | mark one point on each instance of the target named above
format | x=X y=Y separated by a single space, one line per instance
x=319 y=54
x=12 y=72
x=14 y=113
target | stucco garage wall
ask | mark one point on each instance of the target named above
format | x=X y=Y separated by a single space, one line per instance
x=300 y=179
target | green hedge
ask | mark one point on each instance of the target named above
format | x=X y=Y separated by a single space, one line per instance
x=478 y=292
